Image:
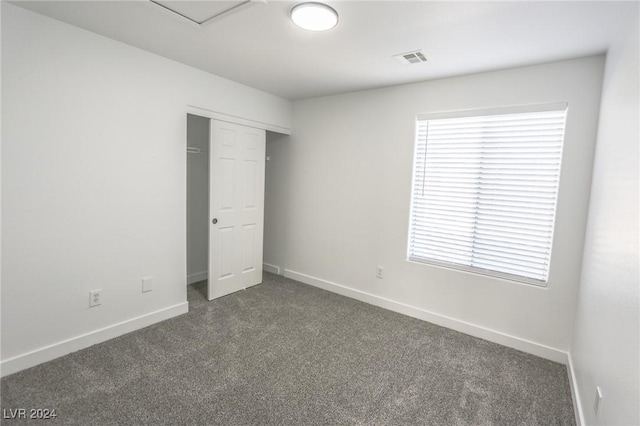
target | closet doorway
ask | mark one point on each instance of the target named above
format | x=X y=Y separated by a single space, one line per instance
x=225 y=204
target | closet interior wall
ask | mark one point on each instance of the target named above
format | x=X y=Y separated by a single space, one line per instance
x=197 y=197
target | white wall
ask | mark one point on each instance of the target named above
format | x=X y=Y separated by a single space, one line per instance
x=197 y=199
x=338 y=194
x=605 y=347
x=94 y=182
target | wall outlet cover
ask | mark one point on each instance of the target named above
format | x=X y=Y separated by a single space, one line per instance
x=95 y=298
x=147 y=284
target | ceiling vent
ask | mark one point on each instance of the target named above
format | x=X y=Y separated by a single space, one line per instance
x=409 y=58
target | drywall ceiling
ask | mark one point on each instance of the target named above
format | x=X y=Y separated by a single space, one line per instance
x=199 y=11
x=258 y=45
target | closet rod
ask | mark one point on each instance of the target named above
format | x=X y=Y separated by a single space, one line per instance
x=195 y=150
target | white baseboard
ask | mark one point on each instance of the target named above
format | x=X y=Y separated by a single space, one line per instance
x=197 y=277
x=56 y=350
x=575 y=393
x=523 y=345
x=271 y=268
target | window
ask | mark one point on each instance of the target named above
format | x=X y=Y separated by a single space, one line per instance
x=484 y=193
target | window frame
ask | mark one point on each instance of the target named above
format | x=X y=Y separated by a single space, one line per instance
x=533 y=108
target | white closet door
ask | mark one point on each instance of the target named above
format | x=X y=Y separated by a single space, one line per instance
x=236 y=207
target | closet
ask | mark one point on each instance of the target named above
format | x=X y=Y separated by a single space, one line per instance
x=197 y=198
x=225 y=204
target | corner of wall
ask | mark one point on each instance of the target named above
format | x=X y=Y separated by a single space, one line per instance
x=267 y=267
x=575 y=394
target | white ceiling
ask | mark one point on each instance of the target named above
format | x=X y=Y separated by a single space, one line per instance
x=259 y=46
x=199 y=11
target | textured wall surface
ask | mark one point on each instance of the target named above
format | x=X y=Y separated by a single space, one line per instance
x=338 y=194
x=605 y=348
x=94 y=177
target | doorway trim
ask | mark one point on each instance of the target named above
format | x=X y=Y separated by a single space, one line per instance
x=215 y=115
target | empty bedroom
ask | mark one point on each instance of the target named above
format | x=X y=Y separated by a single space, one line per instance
x=278 y=212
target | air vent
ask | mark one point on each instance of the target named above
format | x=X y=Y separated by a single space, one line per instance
x=409 y=58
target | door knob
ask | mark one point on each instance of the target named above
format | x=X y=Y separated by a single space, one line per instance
x=214 y=221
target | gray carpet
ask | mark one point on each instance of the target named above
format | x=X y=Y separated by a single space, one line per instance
x=283 y=353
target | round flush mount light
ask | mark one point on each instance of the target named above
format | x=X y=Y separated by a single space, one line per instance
x=314 y=16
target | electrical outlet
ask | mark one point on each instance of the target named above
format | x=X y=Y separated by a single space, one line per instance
x=95 y=298
x=147 y=284
x=598 y=402
x=379 y=272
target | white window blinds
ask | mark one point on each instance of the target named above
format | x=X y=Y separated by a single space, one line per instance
x=485 y=189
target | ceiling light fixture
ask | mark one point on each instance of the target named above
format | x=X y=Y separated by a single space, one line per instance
x=314 y=16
